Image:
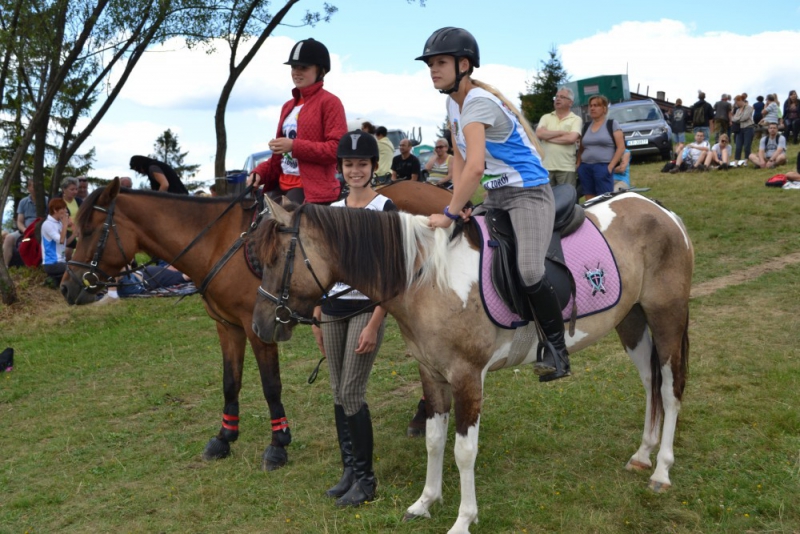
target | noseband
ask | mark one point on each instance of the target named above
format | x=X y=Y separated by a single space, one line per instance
x=90 y=278
x=283 y=313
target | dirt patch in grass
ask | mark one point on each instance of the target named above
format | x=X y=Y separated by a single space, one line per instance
x=744 y=275
x=36 y=301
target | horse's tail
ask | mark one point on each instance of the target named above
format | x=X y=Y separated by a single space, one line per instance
x=678 y=379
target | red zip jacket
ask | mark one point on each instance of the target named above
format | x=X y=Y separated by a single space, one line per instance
x=320 y=125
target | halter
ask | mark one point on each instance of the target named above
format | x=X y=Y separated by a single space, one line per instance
x=283 y=313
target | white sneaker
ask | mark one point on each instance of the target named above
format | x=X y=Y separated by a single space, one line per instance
x=106 y=300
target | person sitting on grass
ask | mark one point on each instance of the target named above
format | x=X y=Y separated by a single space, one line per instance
x=693 y=154
x=794 y=177
x=720 y=154
x=771 y=149
x=54 y=240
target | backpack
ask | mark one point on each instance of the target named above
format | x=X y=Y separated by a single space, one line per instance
x=776 y=181
x=699 y=115
x=30 y=245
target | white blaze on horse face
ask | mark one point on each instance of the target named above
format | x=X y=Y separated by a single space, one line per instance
x=462 y=274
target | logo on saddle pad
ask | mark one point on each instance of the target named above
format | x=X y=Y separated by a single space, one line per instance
x=596 y=278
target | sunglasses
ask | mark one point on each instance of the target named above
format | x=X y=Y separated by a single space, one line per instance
x=441 y=147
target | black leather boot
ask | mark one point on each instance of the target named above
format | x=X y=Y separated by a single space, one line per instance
x=363 y=488
x=346 y=446
x=552 y=360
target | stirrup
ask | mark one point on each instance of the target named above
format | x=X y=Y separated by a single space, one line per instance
x=551 y=368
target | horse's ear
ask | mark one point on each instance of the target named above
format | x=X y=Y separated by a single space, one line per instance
x=278 y=213
x=109 y=193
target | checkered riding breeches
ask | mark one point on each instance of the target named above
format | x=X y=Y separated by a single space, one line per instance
x=349 y=371
x=532 y=211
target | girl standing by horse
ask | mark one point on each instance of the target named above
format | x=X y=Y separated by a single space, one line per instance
x=303 y=163
x=351 y=334
x=497 y=148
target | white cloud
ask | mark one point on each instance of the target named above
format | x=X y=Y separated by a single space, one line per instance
x=669 y=56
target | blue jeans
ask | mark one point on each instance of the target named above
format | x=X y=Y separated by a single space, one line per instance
x=679 y=137
x=744 y=138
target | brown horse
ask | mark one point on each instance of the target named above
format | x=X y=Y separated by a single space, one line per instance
x=114 y=224
x=426 y=282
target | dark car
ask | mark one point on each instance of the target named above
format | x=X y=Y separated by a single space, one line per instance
x=644 y=127
x=237 y=177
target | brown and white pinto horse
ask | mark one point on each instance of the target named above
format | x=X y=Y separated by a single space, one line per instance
x=422 y=277
x=163 y=225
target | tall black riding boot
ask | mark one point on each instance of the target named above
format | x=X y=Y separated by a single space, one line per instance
x=346 y=446
x=552 y=360
x=363 y=488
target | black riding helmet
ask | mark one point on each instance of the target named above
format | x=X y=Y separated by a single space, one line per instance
x=309 y=52
x=357 y=144
x=455 y=42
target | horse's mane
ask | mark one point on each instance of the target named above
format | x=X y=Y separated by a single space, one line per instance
x=385 y=252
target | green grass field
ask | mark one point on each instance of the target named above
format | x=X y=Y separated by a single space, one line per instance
x=108 y=409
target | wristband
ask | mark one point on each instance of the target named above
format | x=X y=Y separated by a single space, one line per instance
x=450 y=215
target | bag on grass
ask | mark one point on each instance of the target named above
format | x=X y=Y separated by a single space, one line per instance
x=776 y=181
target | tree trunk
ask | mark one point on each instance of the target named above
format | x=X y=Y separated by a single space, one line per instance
x=234 y=71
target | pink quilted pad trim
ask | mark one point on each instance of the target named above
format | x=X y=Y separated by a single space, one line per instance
x=587 y=255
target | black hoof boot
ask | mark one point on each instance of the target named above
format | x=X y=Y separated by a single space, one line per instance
x=416 y=427
x=274 y=458
x=216 y=449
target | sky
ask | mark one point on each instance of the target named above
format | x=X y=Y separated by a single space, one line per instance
x=677 y=47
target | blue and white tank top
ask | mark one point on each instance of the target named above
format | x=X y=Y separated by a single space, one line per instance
x=513 y=162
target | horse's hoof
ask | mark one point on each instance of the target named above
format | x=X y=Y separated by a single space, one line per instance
x=414 y=432
x=636 y=465
x=216 y=449
x=274 y=458
x=659 y=487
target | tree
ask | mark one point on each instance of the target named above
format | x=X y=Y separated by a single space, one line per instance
x=543 y=88
x=240 y=21
x=61 y=54
x=168 y=150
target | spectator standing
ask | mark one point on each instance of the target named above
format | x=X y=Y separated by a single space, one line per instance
x=440 y=165
x=743 y=127
x=83 y=188
x=558 y=133
x=758 y=109
x=791 y=117
x=386 y=149
x=368 y=127
x=26 y=214
x=722 y=117
x=771 y=150
x=125 y=181
x=162 y=177
x=405 y=166
x=600 y=151
x=677 y=119
x=69 y=192
x=303 y=163
x=702 y=112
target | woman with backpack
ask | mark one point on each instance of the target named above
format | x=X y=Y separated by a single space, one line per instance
x=601 y=149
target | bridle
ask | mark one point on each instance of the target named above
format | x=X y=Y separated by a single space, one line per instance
x=283 y=313
x=90 y=279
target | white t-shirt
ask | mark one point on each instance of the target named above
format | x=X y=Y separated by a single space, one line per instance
x=289 y=165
